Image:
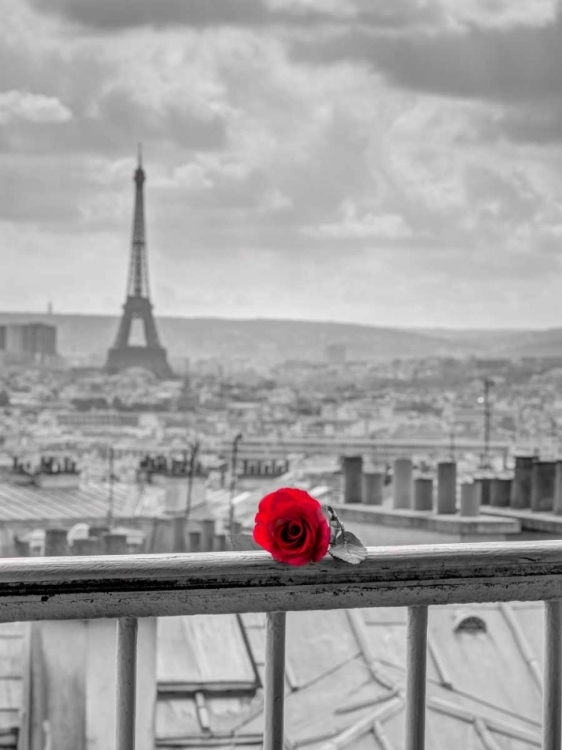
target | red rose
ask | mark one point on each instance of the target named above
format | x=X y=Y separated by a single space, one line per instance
x=290 y=524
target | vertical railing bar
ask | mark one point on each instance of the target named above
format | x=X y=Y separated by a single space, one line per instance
x=416 y=660
x=274 y=693
x=552 y=690
x=127 y=628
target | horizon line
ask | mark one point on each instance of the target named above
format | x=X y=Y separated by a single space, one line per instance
x=397 y=327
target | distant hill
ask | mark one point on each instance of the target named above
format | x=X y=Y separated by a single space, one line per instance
x=278 y=340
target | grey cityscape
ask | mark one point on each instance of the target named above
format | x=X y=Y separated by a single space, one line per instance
x=256 y=247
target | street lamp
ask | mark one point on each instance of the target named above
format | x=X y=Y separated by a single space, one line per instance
x=452 y=440
x=488 y=383
x=452 y=429
x=194 y=452
x=235 y=443
x=110 y=509
x=554 y=434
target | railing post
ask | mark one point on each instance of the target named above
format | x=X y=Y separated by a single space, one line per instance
x=416 y=678
x=127 y=628
x=552 y=693
x=274 y=681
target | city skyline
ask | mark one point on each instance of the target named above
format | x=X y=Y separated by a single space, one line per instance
x=386 y=164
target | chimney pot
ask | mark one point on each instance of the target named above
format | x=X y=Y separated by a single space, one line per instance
x=470 y=499
x=86 y=547
x=485 y=484
x=423 y=493
x=522 y=482
x=500 y=492
x=179 y=540
x=353 y=479
x=115 y=543
x=542 y=486
x=56 y=544
x=373 y=483
x=558 y=489
x=194 y=541
x=207 y=534
x=447 y=487
x=402 y=483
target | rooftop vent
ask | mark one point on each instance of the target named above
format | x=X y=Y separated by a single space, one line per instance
x=470 y=624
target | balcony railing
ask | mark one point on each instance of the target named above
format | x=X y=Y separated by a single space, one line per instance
x=129 y=587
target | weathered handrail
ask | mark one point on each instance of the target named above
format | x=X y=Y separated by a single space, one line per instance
x=130 y=586
x=214 y=583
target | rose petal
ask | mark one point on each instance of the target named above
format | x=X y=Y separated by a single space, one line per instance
x=291 y=526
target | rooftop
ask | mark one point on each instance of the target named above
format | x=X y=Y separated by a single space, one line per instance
x=345 y=672
x=89 y=500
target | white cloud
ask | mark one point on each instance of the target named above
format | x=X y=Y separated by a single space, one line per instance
x=354 y=226
x=316 y=172
x=22 y=105
x=275 y=200
x=500 y=13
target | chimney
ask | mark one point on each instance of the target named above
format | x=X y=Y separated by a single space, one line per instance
x=194 y=538
x=373 y=483
x=56 y=544
x=423 y=493
x=542 y=486
x=21 y=547
x=447 y=487
x=485 y=484
x=500 y=492
x=180 y=542
x=207 y=534
x=86 y=547
x=522 y=481
x=115 y=543
x=98 y=531
x=558 y=489
x=470 y=499
x=162 y=536
x=402 y=483
x=353 y=479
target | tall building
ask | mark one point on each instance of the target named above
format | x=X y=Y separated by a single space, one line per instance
x=29 y=341
x=124 y=354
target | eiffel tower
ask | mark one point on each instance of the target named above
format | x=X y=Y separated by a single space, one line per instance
x=137 y=305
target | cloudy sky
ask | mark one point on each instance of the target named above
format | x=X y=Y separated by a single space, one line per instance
x=391 y=162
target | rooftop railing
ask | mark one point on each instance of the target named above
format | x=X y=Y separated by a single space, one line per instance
x=130 y=587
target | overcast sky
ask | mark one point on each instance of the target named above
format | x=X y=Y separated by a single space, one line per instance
x=387 y=162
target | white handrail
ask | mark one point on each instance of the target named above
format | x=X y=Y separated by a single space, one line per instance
x=214 y=583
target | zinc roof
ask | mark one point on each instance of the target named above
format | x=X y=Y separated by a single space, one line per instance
x=345 y=678
x=89 y=500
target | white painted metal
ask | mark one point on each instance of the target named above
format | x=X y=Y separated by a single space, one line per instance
x=416 y=659
x=128 y=587
x=163 y=585
x=127 y=628
x=552 y=693
x=274 y=698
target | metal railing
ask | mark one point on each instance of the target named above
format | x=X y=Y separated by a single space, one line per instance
x=129 y=587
